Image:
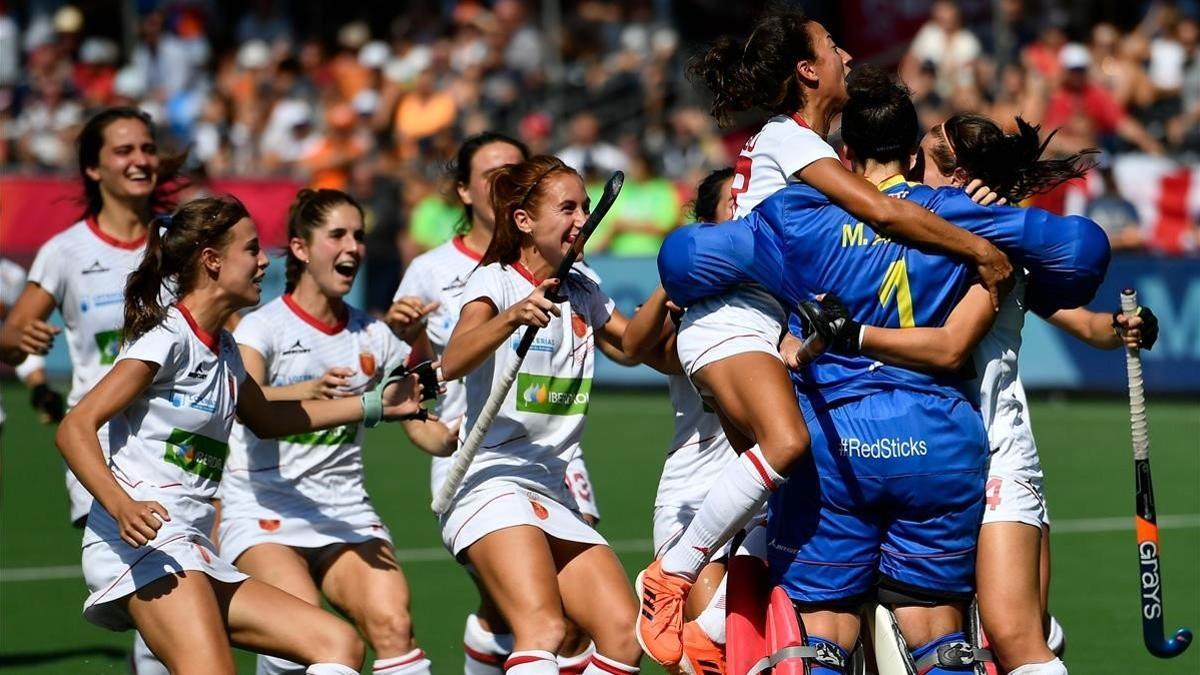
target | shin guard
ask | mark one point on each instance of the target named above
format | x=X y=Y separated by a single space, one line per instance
x=747 y=592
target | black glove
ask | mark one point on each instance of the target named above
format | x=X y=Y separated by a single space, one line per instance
x=830 y=320
x=48 y=402
x=1149 y=327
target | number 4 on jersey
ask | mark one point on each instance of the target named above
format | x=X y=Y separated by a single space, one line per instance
x=895 y=282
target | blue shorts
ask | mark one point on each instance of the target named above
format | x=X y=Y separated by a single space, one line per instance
x=894 y=485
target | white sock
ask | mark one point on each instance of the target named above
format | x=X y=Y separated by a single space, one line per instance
x=531 y=662
x=1054 y=667
x=330 y=669
x=273 y=665
x=485 y=651
x=574 y=665
x=602 y=665
x=142 y=661
x=1057 y=639
x=737 y=494
x=412 y=663
x=712 y=619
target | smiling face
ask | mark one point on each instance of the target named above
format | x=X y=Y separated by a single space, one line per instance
x=334 y=250
x=240 y=264
x=127 y=168
x=552 y=224
x=829 y=69
x=477 y=193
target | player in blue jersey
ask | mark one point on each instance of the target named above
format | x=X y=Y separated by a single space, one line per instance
x=895 y=485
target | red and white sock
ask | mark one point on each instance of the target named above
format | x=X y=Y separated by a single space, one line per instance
x=412 y=663
x=737 y=494
x=575 y=665
x=531 y=662
x=712 y=619
x=485 y=650
x=602 y=665
x=330 y=669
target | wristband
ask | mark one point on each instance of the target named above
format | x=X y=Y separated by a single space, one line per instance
x=372 y=407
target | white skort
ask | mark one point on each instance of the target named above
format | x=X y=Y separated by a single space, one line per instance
x=1014 y=492
x=238 y=532
x=744 y=320
x=669 y=524
x=499 y=506
x=578 y=482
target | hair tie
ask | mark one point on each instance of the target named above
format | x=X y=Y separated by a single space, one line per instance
x=559 y=164
x=164 y=224
x=949 y=143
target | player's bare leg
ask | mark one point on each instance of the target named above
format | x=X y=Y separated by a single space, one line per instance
x=179 y=617
x=833 y=625
x=588 y=572
x=267 y=620
x=755 y=394
x=706 y=586
x=284 y=568
x=365 y=582
x=517 y=568
x=1008 y=568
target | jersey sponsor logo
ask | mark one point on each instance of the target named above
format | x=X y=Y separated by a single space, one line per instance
x=333 y=436
x=198 y=372
x=296 y=348
x=458 y=283
x=101 y=300
x=196 y=454
x=540 y=344
x=553 y=395
x=94 y=268
x=108 y=344
x=884 y=448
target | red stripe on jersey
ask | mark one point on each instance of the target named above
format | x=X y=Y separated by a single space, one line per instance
x=461 y=245
x=128 y=245
x=800 y=120
x=524 y=271
x=484 y=657
x=208 y=339
x=611 y=667
x=762 y=471
x=328 y=329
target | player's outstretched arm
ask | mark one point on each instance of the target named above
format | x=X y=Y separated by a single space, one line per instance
x=271 y=419
x=329 y=385
x=433 y=437
x=941 y=349
x=906 y=221
x=651 y=329
x=482 y=328
x=611 y=338
x=76 y=439
x=1109 y=331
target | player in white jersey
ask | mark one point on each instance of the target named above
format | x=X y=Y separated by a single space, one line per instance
x=48 y=403
x=424 y=313
x=512 y=518
x=728 y=344
x=294 y=510
x=176 y=385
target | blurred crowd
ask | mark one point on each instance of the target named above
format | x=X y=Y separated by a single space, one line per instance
x=376 y=107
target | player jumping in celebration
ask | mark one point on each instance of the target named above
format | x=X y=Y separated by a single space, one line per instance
x=294 y=511
x=513 y=518
x=82 y=270
x=424 y=313
x=895 y=489
x=175 y=388
x=791 y=67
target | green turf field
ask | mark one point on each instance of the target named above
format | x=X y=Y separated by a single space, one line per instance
x=1084 y=445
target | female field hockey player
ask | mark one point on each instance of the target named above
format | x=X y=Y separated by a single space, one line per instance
x=174 y=390
x=82 y=270
x=424 y=313
x=513 y=518
x=294 y=511
x=791 y=67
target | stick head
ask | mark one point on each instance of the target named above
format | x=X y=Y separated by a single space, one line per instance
x=1168 y=648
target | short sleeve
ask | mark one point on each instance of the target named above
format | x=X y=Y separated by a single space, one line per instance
x=488 y=282
x=12 y=282
x=252 y=333
x=414 y=283
x=161 y=345
x=800 y=147
x=595 y=301
x=47 y=271
x=233 y=357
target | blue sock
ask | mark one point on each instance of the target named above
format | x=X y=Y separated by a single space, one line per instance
x=829 y=649
x=931 y=647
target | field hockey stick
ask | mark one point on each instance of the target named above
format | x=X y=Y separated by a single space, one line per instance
x=1146 y=520
x=466 y=454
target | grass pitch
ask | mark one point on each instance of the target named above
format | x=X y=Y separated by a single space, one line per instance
x=1084 y=446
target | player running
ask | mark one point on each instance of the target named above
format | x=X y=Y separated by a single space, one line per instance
x=32 y=370
x=513 y=519
x=424 y=313
x=728 y=344
x=294 y=511
x=174 y=390
x=895 y=489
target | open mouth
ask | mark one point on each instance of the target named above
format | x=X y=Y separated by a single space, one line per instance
x=571 y=236
x=138 y=177
x=346 y=268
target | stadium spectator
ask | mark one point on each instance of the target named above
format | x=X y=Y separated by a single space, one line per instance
x=587 y=153
x=1115 y=214
x=948 y=45
x=649 y=208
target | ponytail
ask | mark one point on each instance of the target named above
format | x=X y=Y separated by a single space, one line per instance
x=517 y=186
x=1009 y=164
x=172 y=258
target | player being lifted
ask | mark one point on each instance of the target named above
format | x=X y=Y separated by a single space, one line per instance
x=82 y=270
x=174 y=390
x=895 y=489
x=424 y=313
x=294 y=511
x=791 y=67
x=513 y=518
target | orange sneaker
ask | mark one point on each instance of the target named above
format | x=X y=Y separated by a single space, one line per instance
x=701 y=656
x=660 y=621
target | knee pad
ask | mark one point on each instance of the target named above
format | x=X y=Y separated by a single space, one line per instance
x=790 y=651
x=948 y=654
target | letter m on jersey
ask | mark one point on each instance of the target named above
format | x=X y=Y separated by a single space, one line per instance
x=553 y=395
x=196 y=454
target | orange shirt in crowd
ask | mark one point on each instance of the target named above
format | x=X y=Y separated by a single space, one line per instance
x=420 y=116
